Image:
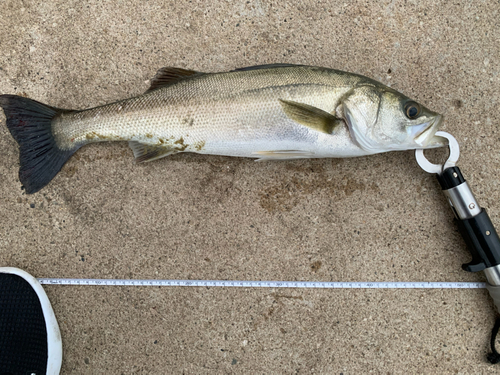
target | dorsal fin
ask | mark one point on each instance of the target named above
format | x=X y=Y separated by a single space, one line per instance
x=168 y=76
x=266 y=66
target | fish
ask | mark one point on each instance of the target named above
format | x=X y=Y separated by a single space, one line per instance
x=266 y=112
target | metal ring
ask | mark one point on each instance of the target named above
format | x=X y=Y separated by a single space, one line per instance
x=429 y=167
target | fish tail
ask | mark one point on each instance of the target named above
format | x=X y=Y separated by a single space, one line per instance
x=30 y=123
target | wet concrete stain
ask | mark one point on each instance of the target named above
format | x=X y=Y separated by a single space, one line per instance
x=284 y=196
x=70 y=170
x=220 y=177
x=316 y=266
x=457 y=103
x=277 y=305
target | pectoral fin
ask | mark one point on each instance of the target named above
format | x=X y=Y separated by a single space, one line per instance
x=283 y=155
x=144 y=152
x=310 y=116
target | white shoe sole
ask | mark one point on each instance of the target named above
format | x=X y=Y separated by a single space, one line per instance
x=54 y=343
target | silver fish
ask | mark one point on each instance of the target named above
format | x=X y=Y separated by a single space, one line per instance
x=270 y=112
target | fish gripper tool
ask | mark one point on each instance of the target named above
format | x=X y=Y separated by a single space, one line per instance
x=474 y=225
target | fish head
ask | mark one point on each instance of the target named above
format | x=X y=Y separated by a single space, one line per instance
x=381 y=119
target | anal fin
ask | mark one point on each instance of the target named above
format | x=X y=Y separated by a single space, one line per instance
x=283 y=155
x=145 y=152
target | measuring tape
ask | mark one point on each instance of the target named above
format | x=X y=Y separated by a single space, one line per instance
x=268 y=284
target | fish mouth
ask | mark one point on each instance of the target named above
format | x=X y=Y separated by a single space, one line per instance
x=427 y=137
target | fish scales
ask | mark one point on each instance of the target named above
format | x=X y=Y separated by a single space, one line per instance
x=213 y=109
x=275 y=112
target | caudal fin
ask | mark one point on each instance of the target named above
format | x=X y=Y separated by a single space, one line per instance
x=30 y=123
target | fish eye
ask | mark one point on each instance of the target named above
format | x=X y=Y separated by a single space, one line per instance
x=412 y=110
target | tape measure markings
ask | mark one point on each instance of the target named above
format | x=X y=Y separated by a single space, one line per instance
x=268 y=284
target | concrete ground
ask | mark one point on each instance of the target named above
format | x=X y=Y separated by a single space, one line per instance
x=377 y=218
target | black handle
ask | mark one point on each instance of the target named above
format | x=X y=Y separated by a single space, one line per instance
x=482 y=241
x=474 y=223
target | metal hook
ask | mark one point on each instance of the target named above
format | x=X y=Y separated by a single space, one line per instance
x=429 y=167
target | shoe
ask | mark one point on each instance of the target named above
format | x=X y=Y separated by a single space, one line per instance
x=30 y=341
